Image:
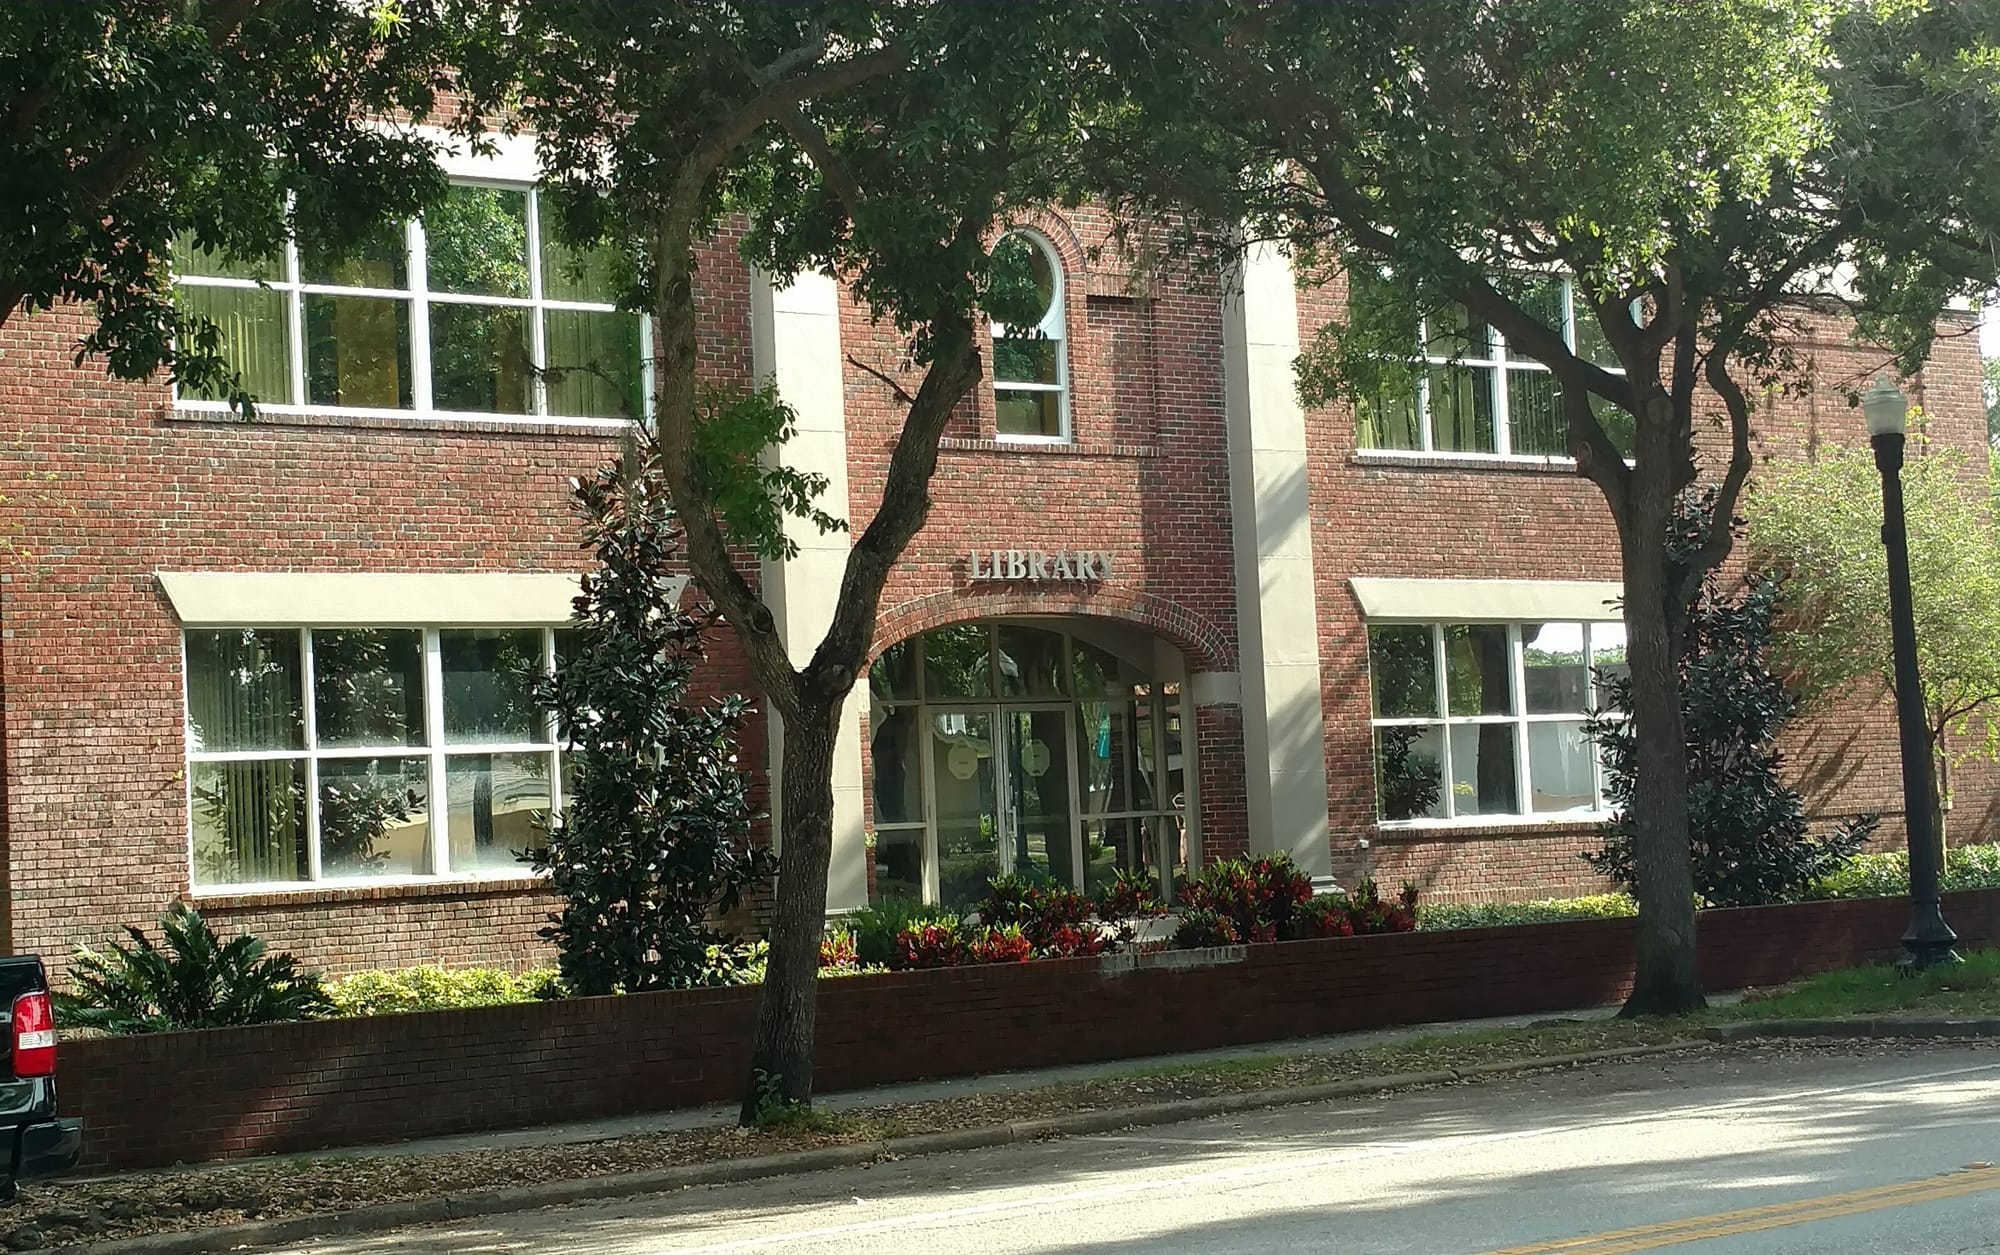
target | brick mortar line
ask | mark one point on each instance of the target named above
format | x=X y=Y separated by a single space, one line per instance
x=378 y=1217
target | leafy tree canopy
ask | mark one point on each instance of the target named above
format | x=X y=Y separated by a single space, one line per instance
x=128 y=124
x=1819 y=520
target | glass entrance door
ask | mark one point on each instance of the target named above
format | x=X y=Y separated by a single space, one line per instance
x=1038 y=829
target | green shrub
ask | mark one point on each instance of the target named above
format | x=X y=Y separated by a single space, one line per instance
x=429 y=987
x=194 y=980
x=1440 y=916
x=877 y=926
x=1888 y=875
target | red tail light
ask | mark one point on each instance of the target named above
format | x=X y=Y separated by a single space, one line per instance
x=34 y=1036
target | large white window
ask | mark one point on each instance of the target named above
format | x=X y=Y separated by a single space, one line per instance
x=1474 y=394
x=478 y=310
x=1030 y=367
x=1476 y=720
x=355 y=754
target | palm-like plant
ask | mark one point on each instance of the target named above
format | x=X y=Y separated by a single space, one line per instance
x=193 y=979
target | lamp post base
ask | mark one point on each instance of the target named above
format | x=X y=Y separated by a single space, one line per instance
x=1928 y=942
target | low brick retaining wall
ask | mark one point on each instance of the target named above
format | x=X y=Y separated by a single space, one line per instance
x=286 y=1088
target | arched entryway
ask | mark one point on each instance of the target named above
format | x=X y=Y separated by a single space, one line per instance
x=1051 y=747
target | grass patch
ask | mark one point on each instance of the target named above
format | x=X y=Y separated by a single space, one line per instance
x=1969 y=988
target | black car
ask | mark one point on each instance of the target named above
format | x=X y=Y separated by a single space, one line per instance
x=38 y=1143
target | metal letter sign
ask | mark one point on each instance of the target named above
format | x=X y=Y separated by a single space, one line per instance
x=1033 y=566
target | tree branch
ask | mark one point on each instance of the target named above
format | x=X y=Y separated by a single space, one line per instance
x=1720 y=540
x=893 y=386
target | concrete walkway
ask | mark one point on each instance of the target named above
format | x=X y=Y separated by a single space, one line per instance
x=956 y=1087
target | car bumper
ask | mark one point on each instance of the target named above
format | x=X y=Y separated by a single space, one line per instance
x=50 y=1148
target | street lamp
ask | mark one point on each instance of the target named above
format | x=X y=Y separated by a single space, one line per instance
x=1928 y=940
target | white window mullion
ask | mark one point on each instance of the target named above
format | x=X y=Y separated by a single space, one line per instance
x=553 y=731
x=296 y=301
x=312 y=758
x=537 y=318
x=1523 y=776
x=420 y=317
x=1503 y=423
x=1444 y=723
x=440 y=861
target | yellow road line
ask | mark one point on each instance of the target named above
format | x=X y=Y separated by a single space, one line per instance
x=1771 y=1216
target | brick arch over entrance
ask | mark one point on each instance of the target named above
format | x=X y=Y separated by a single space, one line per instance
x=1200 y=639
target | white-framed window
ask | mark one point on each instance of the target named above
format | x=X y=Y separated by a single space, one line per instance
x=1485 y=720
x=1030 y=363
x=476 y=311
x=320 y=755
x=1474 y=394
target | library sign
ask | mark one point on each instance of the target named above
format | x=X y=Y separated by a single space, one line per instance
x=1034 y=566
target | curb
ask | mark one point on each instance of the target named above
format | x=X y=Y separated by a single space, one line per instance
x=381 y=1216
x=1884 y=1027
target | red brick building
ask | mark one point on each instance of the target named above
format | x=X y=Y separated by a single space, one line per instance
x=1162 y=613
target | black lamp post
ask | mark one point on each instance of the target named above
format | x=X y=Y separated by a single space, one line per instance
x=1928 y=940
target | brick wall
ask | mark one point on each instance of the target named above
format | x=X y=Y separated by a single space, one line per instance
x=110 y=485
x=299 y=1087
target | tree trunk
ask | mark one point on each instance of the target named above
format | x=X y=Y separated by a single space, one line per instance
x=1940 y=794
x=1665 y=980
x=781 y=1057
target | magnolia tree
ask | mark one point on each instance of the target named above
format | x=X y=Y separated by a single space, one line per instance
x=885 y=143
x=1641 y=195
x=1819 y=520
x=234 y=124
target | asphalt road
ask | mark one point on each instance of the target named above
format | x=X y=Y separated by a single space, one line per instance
x=1880 y=1152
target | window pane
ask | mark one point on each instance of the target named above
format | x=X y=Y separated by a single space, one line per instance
x=494 y=806
x=1105 y=755
x=1591 y=344
x=1461 y=405
x=1027 y=413
x=895 y=751
x=1554 y=669
x=188 y=259
x=593 y=274
x=476 y=240
x=594 y=368
x=1101 y=673
x=1111 y=846
x=1031 y=663
x=1025 y=359
x=956 y=662
x=1559 y=772
x=899 y=865
x=894 y=675
x=1618 y=424
x=1409 y=767
x=480 y=359
x=1457 y=333
x=1607 y=656
x=245 y=691
x=358 y=352
x=1403 y=671
x=256 y=326
x=374 y=817
x=489 y=678
x=1543 y=301
x=368 y=688
x=1478 y=669
x=381 y=261
x=1388 y=421
x=1482 y=770
x=249 y=822
x=1535 y=421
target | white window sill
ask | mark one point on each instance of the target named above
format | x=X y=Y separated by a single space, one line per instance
x=361 y=890
x=397 y=420
x=1553 y=819
x=1465 y=461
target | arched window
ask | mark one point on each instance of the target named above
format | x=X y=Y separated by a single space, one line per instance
x=1030 y=369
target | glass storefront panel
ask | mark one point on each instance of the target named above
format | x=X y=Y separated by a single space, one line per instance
x=967 y=811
